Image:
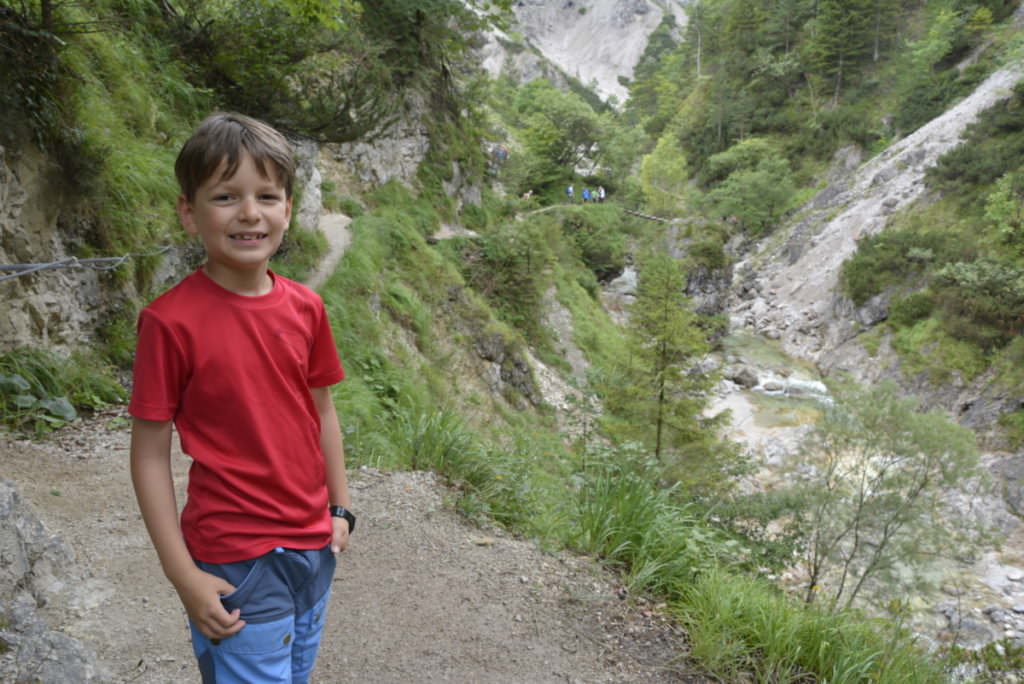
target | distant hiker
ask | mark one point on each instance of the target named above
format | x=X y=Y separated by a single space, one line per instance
x=569 y=193
x=586 y=194
x=600 y=193
x=240 y=360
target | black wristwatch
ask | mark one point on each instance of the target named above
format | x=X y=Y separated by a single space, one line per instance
x=342 y=512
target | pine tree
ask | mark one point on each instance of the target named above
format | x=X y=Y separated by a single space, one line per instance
x=662 y=391
x=841 y=38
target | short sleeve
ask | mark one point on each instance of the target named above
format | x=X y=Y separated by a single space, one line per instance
x=160 y=372
x=324 y=365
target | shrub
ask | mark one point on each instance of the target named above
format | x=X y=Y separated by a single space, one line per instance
x=911 y=309
x=889 y=258
x=601 y=245
x=987 y=295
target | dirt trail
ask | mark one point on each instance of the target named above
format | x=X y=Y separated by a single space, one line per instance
x=335 y=228
x=421 y=595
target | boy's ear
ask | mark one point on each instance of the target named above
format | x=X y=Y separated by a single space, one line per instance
x=288 y=214
x=184 y=209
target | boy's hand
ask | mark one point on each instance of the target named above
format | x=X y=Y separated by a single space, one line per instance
x=200 y=594
x=339 y=538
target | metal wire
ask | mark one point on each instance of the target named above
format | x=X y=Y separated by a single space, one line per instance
x=96 y=264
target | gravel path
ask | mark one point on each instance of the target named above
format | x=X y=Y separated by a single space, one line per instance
x=421 y=595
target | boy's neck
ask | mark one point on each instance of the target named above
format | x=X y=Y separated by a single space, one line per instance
x=250 y=283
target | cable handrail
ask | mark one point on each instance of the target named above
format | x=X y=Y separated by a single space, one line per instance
x=95 y=263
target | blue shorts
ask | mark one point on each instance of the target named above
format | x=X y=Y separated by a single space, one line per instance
x=283 y=599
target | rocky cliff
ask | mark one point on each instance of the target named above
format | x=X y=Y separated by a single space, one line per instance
x=594 y=41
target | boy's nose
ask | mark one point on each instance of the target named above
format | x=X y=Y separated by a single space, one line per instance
x=249 y=210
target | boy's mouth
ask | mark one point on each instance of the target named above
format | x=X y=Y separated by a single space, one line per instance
x=249 y=237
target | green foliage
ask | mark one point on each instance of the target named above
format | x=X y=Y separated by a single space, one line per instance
x=882 y=472
x=40 y=392
x=754 y=199
x=664 y=177
x=983 y=301
x=1004 y=208
x=993 y=146
x=907 y=311
x=657 y=389
x=507 y=266
x=708 y=253
x=625 y=518
x=927 y=348
x=597 y=233
x=493 y=482
x=332 y=201
x=995 y=660
x=36 y=81
x=888 y=259
x=558 y=127
x=299 y=253
x=302 y=70
x=1013 y=423
x=742 y=629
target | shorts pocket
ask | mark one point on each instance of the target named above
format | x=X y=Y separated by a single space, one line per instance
x=268 y=639
x=245 y=588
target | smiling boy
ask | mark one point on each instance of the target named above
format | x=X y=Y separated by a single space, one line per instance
x=240 y=360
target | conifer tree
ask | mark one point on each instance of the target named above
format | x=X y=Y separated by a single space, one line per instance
x=662 y=391
x=841 y=38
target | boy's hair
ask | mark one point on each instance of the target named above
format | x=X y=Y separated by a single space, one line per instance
x=222 y=137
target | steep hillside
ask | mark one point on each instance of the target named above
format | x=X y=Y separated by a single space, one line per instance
x=596 y=42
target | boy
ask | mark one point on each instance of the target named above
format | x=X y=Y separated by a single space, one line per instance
x=240 y=360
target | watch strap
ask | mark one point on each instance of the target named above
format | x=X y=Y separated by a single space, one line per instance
x=342 y=512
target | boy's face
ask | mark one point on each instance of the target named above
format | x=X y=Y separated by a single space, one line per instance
x=241 y=220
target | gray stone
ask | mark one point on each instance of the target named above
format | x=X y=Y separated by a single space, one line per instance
x=31 y=562
x=742 y=376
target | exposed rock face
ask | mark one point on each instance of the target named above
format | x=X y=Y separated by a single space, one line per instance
x=394 y=154
x=62 y=308
x=591 y=40
x=56 y=308
x=32 y=567
x=790 y=292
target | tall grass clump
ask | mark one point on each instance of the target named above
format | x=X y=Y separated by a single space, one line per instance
x=627 y=519
x=493 y=481
x=741 y=627
x=40 y=391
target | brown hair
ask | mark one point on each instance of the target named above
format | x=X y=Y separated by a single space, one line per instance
x=222 y=137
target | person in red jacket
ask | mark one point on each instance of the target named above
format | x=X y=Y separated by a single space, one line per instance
x=240 y=361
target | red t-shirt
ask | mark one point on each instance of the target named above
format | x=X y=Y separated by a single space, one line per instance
x=234 y=373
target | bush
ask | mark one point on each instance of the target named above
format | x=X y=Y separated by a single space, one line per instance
x=887 y=259
x=992 y=147
x=905 y=312
x=983 y=301
x=596 y=234
x=708 y=253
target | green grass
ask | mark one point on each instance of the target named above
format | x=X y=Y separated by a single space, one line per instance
x=40 y=391
x=408 y=330
x=742 y=628
x=299 y=254
x=925 y=348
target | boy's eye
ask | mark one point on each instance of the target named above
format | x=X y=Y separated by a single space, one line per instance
x=270 y=197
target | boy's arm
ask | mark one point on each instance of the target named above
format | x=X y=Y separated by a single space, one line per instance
x=334 y=460
x=154 y=488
